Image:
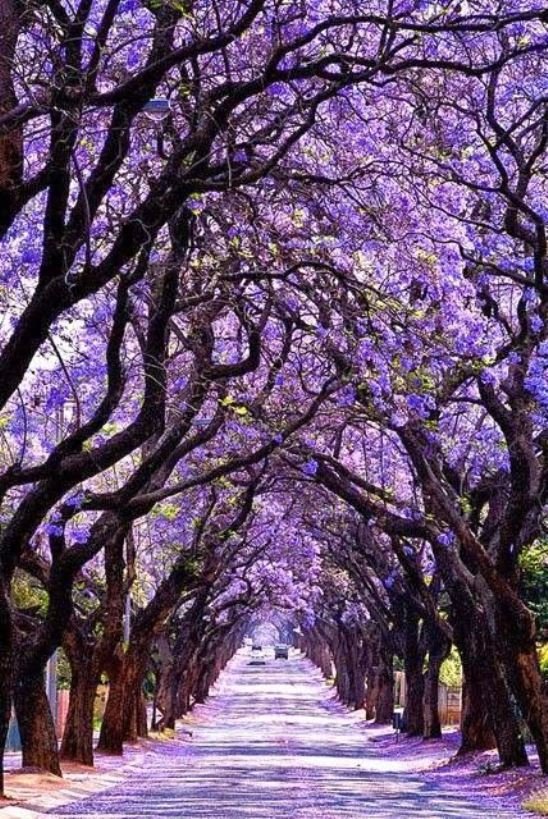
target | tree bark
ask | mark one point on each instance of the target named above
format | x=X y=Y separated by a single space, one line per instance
x=413 y=663
x=77 y=744
x=349 y=661
x=81 y=652
x=11 y=143
x=476 y=725
x=485 y=682
x=371 y=692
x=36 y=725
x=384 y=704
x=438 y=650
x=133 y=674
x=111 y=737
x=516 y=643
x=7 y=672
x=318 y=653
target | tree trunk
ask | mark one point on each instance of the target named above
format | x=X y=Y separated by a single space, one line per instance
x=342 y=680
x=486 y=683
x=510 y=744
x=414 y=678
x=516 y=643
x=77 y=744
x=438 y=650
x=134 y=713
x=476 y=725
x=185 y=682
x=318 y=653
x=414 y=713
x=142 y=717
x=371 y=692
x=384 y=705
x=5 y=712
x=111 y=737
x=533 y=702
x=6 y=692
x=164 y=689
x=357 y=671
x=167 y=698
x=7 y=671
x=487 y=704
x=11 y=143
x=36 y=725
x=201 y=688
x=350 y=667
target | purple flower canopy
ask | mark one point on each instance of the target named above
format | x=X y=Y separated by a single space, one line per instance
x=273 y=338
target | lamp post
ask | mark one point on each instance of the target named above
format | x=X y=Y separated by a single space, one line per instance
x=127 y=618
x=51 y=666
x=51 y=685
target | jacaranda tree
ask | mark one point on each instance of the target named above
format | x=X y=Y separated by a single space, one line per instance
x=274 y=343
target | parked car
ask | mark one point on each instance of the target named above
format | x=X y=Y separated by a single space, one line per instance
x=281 y=652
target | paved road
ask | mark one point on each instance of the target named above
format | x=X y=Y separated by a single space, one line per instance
x=272 y=744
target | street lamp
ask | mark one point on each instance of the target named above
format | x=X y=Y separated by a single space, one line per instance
x=157 y=110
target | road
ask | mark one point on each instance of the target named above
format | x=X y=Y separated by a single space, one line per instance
x=272 y=743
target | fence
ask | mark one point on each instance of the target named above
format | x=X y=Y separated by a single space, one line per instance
x=449 y=699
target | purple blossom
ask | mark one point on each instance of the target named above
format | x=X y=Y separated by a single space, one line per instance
x=79 y=535
x=54 y=529
x=75 y=501
x=30 y=256
x=446 y=539
x=488 y=377
x=346 y=396
x=276 y=89
x=421 y=405
x=310 y=467
x=56 y=398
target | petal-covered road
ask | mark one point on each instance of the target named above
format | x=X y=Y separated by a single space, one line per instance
x=272 y=743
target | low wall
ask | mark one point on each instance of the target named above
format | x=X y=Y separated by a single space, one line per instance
x=449 y=699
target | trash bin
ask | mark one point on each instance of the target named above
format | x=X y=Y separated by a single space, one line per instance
x=398 y=720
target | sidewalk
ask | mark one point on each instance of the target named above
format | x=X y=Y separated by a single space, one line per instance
x=31 y=795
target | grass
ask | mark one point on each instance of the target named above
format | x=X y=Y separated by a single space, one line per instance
x=167 y=733
x=537 y=803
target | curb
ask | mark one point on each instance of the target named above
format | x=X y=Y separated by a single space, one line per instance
x=74 y=791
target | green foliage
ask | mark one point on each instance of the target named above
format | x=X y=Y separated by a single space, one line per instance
x=238 y=409
x=537 y=803
x=169 y=511
x=451 y=670
x=27 y=594
x=534 y=581
x=64 y=675
x=543 y=657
